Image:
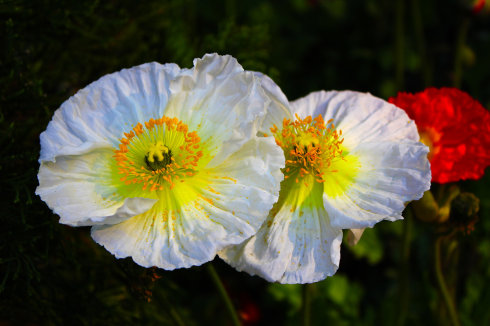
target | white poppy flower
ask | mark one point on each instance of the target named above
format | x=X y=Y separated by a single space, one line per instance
x=352 y=160
x=164 y=162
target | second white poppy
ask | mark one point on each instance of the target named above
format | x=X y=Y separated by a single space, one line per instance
x=352 y=160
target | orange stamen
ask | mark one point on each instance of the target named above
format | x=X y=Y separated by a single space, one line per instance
x=310 y=146
x=185 y=156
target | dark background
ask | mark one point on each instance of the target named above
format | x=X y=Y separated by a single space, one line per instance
x=51 y=274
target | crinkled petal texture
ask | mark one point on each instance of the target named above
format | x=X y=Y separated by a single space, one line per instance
x=279 y=108
x=393 y=167
x=226 y=207
x=77 y=188
x=209 y=182
x=382 y=167
x=297 y=244
x=361 y=116
x=74 y=177
x=455 y=126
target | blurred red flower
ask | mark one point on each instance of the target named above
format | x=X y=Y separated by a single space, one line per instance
x=477 y=6
x=455 y=127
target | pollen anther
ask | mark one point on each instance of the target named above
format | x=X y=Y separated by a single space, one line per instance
x=310 y=146
x=164 y=150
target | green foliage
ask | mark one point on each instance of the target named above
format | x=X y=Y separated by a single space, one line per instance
x=341 y=295
x=52 y=274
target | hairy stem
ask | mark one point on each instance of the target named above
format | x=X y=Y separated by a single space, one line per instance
x=420 y=39
x=448 y=300
x=403 y=273
x=306 y=306
x=399 y=44
x=460 y=44
x=224 y=295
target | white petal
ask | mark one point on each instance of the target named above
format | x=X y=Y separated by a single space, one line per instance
x=174 y=239
x=76 y=188
x=278 y=109
x=98 y=115
x=223 y=103
x=292 y=247
x=361 y=116
x=231 y=208
x=248 y=182
x=391 y=174
x=156 y=239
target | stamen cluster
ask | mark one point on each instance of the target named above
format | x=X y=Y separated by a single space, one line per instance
x=310 y=146
x=167 y=140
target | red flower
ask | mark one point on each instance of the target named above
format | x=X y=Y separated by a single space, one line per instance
x=455 y=127
x=477 y=6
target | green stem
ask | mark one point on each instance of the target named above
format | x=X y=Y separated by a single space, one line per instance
x=420 y=38
x=173 y=313
x=442 y=283
x=224 y=294
x=306 y=307
x=460 y=44
x=404 y=290
x=230 y=7
x=176 y=317
x=399 y=44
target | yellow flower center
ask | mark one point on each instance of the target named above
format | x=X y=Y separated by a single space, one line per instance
x=316 y=161
x=430 y=138
x=162 y=154
x=158 y=155
x=310 y=147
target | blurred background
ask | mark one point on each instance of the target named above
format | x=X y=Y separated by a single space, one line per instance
x=51 y=274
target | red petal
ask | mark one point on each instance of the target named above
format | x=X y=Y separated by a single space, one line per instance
x=462 y=126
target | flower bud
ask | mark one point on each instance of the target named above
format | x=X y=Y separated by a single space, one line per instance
x=464 y=211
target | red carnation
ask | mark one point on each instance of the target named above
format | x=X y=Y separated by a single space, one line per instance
x=455 y=127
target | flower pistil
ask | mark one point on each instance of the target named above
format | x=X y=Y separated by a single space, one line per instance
x=310 y=147
x=159 y=154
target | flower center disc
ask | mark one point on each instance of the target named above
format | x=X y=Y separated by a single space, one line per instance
x=158 y=154
x=430 y=138
x=158 y=157
x=310 y=147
